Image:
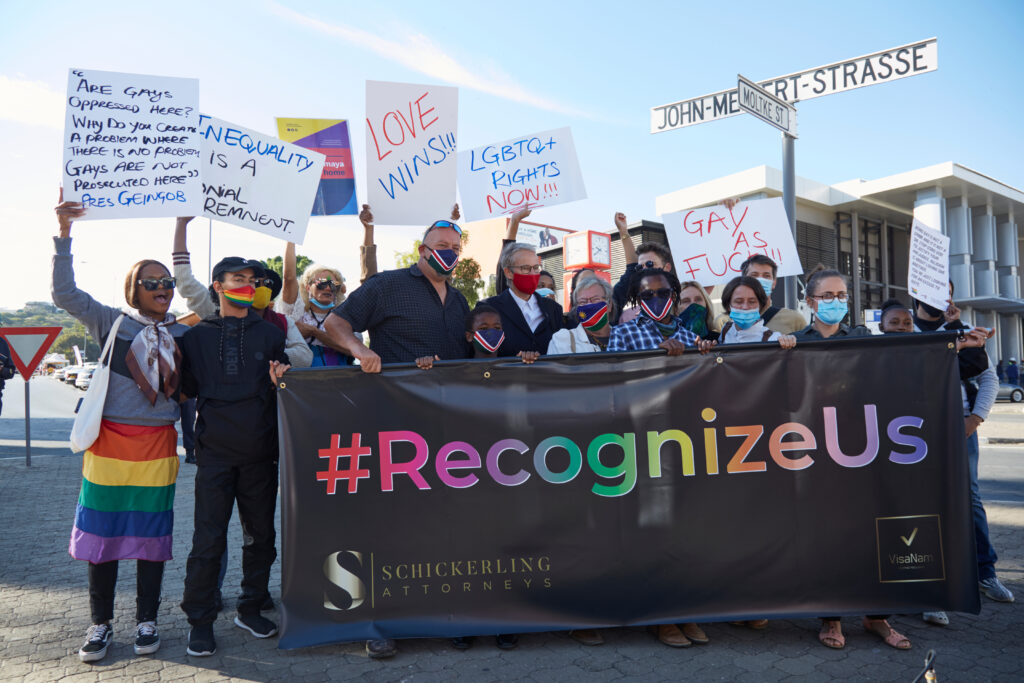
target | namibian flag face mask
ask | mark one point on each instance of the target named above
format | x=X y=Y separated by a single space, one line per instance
x=241 y=296
x=443 y=261
x=593 y=316
x=488 y=341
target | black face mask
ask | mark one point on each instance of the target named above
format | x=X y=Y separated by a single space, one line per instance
x=931 y=310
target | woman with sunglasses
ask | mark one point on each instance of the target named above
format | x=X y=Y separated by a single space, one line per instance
x=320 y=290
x=125 y=508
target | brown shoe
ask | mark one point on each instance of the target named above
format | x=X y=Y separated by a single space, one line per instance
x=587 y=636
x=695 y=633
x=669 y=634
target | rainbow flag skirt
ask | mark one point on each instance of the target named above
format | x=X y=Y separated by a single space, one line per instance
x=126 y=507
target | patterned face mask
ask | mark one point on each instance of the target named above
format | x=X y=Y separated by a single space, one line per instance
x=443 y=261
x=488 y=341
x=694 y=318
x=593 y=316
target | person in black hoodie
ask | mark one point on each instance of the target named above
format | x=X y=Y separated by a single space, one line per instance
x=7 y=369
x=225 y=366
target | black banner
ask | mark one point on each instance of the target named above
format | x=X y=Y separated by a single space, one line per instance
x=485 y=497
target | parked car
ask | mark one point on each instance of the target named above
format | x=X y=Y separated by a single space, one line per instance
x=1010 y=392
x=59 y=373
x=84 y=378
x=71 y=373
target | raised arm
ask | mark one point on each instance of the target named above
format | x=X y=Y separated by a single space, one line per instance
x=195 y=292
x=66 y=294
x=289 y=276
x=368 y=251
x=500 y=283
x=627 y=244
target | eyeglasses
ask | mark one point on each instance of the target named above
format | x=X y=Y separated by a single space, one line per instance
x=445 y=224
x=527 y=270
x=153 y=284
x=649 y=264
x=326 y=283
x=829 y=298
x=591 y=300
x=649 y=294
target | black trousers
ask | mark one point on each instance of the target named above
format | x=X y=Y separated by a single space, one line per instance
x=103 y=579
x=219 y=486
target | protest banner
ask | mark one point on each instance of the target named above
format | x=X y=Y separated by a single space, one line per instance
x=336 y=194
x=622 y=489
x=130 y=145
x=539 y=169
x=257 y=181
x=410 y=151
x=928 y=270
x=708 y=245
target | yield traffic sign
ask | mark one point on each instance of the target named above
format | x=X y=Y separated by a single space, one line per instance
x=28 y=346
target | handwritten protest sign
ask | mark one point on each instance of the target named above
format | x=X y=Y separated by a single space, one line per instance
x=539 y=170
x=410 y=151
x=336 y=194
x=130 y=145
x=928 y=271
x=257 y=181
x=709 y=244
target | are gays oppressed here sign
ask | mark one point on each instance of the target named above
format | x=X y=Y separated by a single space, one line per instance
x=130 y=145
x=257 y=181
x=709 y=244
x=540 y=169
x=410 y=151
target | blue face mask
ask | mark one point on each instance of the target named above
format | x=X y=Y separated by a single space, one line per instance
x=833 y=312
x=767 y=285
x=544 y=291
x=322 y=307
x=744 y=318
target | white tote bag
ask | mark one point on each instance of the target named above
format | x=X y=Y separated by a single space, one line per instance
x=90 y=413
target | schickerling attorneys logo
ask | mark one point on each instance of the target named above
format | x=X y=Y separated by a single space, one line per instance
x=346 y=589
x=910 y=549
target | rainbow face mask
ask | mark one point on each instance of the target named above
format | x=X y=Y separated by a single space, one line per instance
x=241 y=296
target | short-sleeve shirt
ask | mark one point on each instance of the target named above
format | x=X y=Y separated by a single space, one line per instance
x=406 y=318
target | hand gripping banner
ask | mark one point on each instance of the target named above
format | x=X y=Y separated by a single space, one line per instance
x=484 y=497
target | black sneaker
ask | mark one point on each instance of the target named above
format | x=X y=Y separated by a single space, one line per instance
x=190 y=457
x=381 y=648
x=147 y=640
x=506 y=641
x=259 y=626
x=201 y=642
x=97 y=639
x=462 y=642
x=268 y=604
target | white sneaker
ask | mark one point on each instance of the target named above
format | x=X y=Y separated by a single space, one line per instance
x=97 y=639
x=995 y=590
x=147 y=640
x=937 y=618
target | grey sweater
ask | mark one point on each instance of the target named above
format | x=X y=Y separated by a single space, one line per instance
x=125 y=402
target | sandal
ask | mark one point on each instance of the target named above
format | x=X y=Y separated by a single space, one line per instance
x=831 y=635
x=891 y=636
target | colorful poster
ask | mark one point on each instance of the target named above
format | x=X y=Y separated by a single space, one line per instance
x=538 y=169
x=257 y=181
x=709 y=244
x=336 y=195
x=410 y=151
x=130 y=145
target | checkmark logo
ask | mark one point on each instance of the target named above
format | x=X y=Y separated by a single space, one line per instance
x=910 y=540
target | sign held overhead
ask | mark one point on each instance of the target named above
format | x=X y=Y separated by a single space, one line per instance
x=765 y=106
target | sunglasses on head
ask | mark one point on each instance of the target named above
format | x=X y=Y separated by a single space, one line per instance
x=326 y=283
x=153 y=284
x=445 y=224
x=647 y=294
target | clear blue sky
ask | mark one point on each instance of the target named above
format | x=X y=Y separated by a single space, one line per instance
x=529 y=66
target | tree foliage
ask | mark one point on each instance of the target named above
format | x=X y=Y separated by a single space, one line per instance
x=466 y=277
x=276 y=264
x=45 y=314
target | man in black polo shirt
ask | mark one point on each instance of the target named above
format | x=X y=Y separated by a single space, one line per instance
x=410 y=312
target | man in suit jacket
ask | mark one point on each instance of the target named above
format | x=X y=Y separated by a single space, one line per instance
x=527 y=318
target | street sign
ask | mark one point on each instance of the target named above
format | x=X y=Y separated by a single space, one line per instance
x=28 y=346
x=884 y=66
x=765 y=106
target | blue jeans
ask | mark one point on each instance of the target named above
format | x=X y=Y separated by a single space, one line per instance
x=986 y=553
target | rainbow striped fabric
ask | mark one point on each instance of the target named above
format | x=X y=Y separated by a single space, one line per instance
x=126 y=506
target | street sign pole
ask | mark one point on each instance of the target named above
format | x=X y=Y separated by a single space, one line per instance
x=789 y=201
x=28 y=430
